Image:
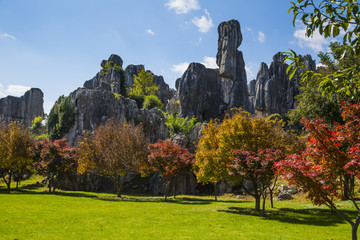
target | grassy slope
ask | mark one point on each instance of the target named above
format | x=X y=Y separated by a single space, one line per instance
x=35 y=214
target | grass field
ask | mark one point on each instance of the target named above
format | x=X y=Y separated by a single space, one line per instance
x=35 y=214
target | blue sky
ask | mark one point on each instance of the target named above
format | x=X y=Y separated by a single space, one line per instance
x=57 y=45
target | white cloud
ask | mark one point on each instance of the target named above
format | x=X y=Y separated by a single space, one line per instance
x=205 y=23
x=17 y=90
x=249 y=73
x=180 y=68
x=6 y=35
x=14 y=90
x=183 y=6
x=316 y=42
x=149 y=31
x=261 y=37
x=209 y=62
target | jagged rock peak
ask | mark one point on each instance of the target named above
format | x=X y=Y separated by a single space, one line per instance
x=113 y=59
x=23 y=109
x=230 y=39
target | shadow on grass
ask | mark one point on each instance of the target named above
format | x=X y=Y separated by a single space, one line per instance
x=36 y=190
x=307 y=216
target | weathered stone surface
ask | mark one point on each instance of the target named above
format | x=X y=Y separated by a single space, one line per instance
x=180 y=139
x=23 y=109
x=275 y=93
x=130 y=71
x=115 y=59
x=230 y=39
x=209 y=93
x=200 y=93
x=93 y=107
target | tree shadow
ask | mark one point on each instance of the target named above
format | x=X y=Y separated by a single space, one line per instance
x=307 y=216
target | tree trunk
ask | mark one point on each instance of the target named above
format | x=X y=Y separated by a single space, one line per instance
x=174 y=189
x=8 y=185
x=119 y=184
x=215 y=191
x=263 y=193
x=257 y=203
x=354 y=229
x=167 y=185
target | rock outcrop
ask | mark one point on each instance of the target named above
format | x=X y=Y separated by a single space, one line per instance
x=274 y=92
x=208 y=93
x=93 y=107
x=22 y=109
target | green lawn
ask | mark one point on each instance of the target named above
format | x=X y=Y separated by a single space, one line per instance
x=35 y=214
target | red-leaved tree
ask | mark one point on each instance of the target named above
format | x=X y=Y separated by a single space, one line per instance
x=258 y=168
x=170 y=160
x=53 y=160
x=326 y=169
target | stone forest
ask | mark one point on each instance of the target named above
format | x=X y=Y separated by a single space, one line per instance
x=285 y=144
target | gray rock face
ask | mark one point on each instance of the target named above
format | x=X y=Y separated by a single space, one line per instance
x=209 y=93
x=130 y=71
x=200 y=93
x=93 y=107
x=230 y=39
x=274 y=92
x=22 y=109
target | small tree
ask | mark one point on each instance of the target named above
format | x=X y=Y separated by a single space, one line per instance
x=16 y=151
x=170 y=160
x=54 y=160
x=256 y=167
x=114 y=149
x=325 y=169
x=61 y=118
x=209 y=166
x=178 y=124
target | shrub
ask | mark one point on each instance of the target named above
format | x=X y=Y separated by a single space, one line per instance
x=152 y=101
x=178 y=124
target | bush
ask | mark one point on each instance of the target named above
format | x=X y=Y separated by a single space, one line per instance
x=178 y=124
x=138 y=98
x=152 y=101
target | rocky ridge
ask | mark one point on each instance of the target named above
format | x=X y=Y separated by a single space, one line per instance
x=22 y=109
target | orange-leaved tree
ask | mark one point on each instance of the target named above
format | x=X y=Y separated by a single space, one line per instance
x=16 y=151
x=114 y=149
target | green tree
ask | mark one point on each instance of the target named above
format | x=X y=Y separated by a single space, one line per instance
x=143 y=88
x=61 y=118
x=16 y=151
x=329 y=18
x=178 y=124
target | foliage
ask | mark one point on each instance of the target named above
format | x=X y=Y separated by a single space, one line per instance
x=143 y=88
x=54 y=160
x=152 y=101
x=178 y=124
x=114 y=149
x=16 y=151
x=37 y=127
x=170 y=160
x=237 y=131
x=61 y=118
x=144 y=84
x=256 y=167
x=330 y=18
x=117 y=96
x=312 y=104
x=327 y=167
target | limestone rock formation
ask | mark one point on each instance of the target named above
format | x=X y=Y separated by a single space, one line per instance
x=209 y=93
x=93 y=107
x=200 y=93
x=274 y=92
x=23 y=109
